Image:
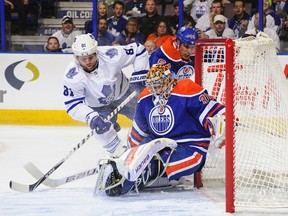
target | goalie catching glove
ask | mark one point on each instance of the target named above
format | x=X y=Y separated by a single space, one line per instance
x=217 y=130
x=106 y=135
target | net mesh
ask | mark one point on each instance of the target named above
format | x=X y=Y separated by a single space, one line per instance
x=261 y=131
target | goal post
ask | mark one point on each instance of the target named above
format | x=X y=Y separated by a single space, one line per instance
x=246 y=76
x=221 y=59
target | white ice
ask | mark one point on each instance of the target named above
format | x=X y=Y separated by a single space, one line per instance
x=46 y=146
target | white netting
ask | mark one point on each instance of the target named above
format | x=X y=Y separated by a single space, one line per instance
x=261 y=137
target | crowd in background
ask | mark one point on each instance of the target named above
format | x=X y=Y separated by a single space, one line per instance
x=127 y=21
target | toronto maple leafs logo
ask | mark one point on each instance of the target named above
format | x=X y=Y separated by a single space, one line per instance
x=111 y=52
x=109 y=93
x=71 y=73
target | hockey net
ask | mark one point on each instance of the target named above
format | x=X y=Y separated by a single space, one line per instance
x=246 y=76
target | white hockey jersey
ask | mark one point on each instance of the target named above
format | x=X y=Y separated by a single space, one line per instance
x=83 y=91
x=66 y=40
x=198 y=8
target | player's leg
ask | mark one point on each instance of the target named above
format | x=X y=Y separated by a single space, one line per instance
x=186 y=160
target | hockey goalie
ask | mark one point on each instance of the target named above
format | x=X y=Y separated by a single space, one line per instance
x=174 y=124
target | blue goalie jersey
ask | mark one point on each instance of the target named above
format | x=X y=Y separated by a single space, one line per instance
x=183 y=119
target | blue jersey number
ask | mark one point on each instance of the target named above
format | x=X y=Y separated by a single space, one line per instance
x=68 y=91
x=129 y=51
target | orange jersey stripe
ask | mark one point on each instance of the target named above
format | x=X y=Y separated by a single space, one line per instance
x=144 y=93
x=136 y=135
x=192 y=161
x=187 y=87
x=211 y=114
x=202 y=144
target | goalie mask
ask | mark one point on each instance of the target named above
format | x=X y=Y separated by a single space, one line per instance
x=160 y=83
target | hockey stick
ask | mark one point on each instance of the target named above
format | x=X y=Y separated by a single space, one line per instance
x=29 y=188
x=49 y=182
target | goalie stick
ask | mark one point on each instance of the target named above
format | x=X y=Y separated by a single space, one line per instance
x=49 y=182
x=29 y=188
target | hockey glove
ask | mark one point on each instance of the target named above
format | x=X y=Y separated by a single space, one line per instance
x=97 y=122
x=217 y=130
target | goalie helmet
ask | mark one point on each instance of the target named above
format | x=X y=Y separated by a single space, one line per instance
x=187 y=36
x=84 y=45
x=160 y=83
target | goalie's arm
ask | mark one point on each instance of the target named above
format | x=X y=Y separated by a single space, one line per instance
x=216 y=126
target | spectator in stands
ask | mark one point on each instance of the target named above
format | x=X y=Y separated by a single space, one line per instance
x=226 y=2
x=150 y=46
x=278 y=6
x=161 y=34
x=148 y=22
x=23 y=8
x=197 y=7
x=283 y=34
x=130 y=34
x=269 y=31
x=220 y=30
x=188 y=22
x=48 y=8
x=117 y=23
x=52 y=45
x=173 y=20
x=272 y=20
x=102 y=8
x=239 y=22
x=205 y=22
x=66 y=34
x=135 y=8
x=104 y=37
x=163 y=6
x=8 y=6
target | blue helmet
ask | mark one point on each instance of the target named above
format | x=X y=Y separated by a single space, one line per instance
x=187 y=36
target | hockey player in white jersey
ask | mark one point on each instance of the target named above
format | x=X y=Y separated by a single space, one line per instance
x=94 y=85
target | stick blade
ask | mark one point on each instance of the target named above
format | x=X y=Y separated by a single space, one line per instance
x=37 y=174
x=19 y=187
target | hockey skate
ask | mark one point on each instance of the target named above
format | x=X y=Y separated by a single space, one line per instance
x=111 y=183
x=114 y=184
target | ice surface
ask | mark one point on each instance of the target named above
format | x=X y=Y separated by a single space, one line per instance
x=46 y=146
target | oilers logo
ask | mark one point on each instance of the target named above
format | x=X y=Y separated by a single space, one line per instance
x=187 y=71
x=200 y=10
x=161 y=61
x=161 y=120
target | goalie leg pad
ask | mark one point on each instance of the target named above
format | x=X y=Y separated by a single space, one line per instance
x=133 y=176
x=135 y=160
